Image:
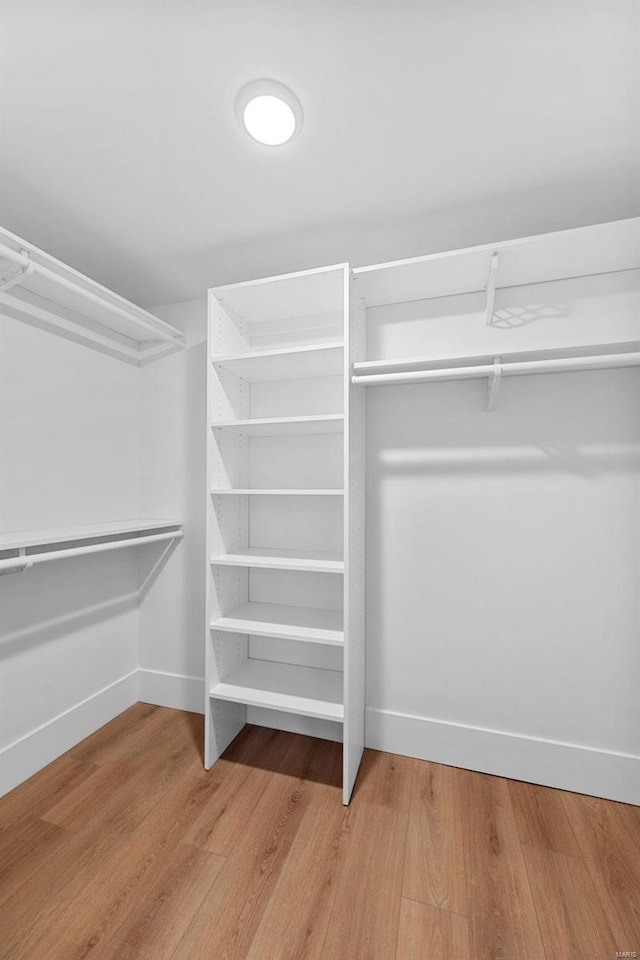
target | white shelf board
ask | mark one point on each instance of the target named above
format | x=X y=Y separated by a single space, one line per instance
x=306 y=691
x=53 y=293
x=285 y=296
x=310 y=561
x=602 y=248
x=281 y=426
x=287 y=363
x=22 y=539
x=282 y=492
x=284 y=622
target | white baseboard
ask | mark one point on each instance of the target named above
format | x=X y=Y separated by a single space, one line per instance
x=566 y=766
x=171 y=690
x=24 y=757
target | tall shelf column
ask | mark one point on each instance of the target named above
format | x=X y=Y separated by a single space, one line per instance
x=285 y=511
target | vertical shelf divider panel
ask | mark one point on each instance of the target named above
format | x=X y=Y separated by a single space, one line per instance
x=354 y=538
x=280 y=353
x=227 y=528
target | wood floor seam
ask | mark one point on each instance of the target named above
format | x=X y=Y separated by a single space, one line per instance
x=453 y=913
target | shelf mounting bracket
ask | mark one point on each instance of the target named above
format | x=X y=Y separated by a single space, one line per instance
x=22 y=563
x=21 y=275
x=493 y=384
x=491 y=289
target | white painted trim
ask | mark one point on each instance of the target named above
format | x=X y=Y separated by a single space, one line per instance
x=552 y=763
x=24 y=757
x=565 y=766
x=171 y=690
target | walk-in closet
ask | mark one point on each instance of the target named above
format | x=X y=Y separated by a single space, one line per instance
x=319 y=480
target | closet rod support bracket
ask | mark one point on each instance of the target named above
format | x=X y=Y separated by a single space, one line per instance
x=493 y=383
x=21 y=275
x=22 y=563
x=491 y=289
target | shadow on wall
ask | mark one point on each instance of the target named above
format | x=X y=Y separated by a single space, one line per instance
x=570 y=423
x=502 y=554
x=62 y=597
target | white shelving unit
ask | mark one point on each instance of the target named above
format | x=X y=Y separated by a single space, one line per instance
x=285 y=502
x=38 y=289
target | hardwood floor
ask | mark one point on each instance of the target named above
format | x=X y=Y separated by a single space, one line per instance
x=126 y=849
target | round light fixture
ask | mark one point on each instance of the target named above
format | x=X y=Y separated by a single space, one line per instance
x=269 y=112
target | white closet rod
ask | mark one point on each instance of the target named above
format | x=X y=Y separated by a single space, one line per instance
x=147 y=320
x=514 y=369
x=24 y=561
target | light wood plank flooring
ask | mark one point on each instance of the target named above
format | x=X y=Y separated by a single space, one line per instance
x=126 y=849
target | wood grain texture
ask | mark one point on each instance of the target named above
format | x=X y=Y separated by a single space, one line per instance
x=543 y=819
x=571 y=917
x=320 y=840
x=165 y=908
x=366 y=912
x=23 y=849
x=116 y=884
x=227 y=921
x=504 y=920
x=240 y=779
x=41 y=792
x=613 y=863
x=435 y=864
x=126 y=849
x=385 y=780
x=125 y=736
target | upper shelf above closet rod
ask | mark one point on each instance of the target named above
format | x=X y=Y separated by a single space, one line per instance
x=583 y=251
x=41 y=290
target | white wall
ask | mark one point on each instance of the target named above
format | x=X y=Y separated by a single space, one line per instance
x=503 y=576
x=69 y=455
x=502 y=579
x=172 y=483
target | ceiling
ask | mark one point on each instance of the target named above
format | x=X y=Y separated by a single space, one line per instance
x=428 y=124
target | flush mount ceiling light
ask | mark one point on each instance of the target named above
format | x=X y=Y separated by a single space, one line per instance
x=269 y=112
